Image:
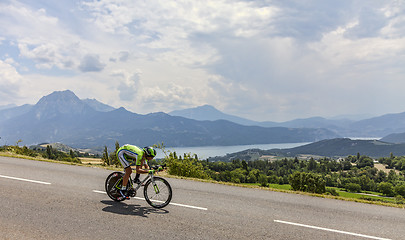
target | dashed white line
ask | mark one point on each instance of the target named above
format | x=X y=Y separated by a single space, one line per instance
x=96 y=191
x=25 y=180
x=331 y=230
x=188 y=206
x=174 y=204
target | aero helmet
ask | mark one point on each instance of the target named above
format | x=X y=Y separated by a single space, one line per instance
x=149 y=151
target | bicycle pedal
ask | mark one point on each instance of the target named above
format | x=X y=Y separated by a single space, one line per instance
x=132 y=192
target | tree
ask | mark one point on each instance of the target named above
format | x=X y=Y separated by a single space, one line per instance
x=244 y=165
x=49 y=152
x=381 y=176
x=189 y=167
x=312 y=164
x=365 y=161
x=307 y=182
x=347 y=165
x=400 y=189
x=392 y=177
x=253 y=175
x=72 y=154
x=105 y=157
x=238 y=175
x=353 y=187
x=113 y=155
x=386 y=189
x=263 y=180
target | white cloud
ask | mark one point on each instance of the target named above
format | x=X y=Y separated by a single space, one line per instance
x=9 y=82
x=265 y=60
x=39 y=37
x=128 y=85
x=167 y=29
x=91 y=63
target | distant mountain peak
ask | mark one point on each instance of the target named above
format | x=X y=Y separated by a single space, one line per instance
x=60 y=96
x=208 y=112
x=65 y=102
x=98 y=106
x=206 y=106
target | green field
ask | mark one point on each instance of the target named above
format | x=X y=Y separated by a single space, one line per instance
x=369 y=197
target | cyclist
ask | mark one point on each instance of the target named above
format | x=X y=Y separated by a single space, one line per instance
x=130 y=155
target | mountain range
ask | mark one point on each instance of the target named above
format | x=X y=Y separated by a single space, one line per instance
x=389 y=127
x=62 y=117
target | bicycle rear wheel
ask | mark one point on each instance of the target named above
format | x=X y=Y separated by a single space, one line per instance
x=158 y=193
x=113 y=184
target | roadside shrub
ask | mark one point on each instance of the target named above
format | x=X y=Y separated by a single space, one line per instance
x=400 y=190
x=25 y=151
x=386 y=189
x=399 y=199
x=272 y=179
x=187 y=167
x=331 y=191
x=353 y=187
x=307 y=182
x=263 y=180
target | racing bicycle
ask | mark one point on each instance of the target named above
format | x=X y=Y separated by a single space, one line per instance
x=156 y=190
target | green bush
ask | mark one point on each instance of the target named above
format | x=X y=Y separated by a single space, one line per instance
x=353 y=187
x=399 y=199
x=307 y=182
x=25 y=151
x=187 y=167
x=263 y=180
x=386 y=189
x=400 y=190
x=332 y=191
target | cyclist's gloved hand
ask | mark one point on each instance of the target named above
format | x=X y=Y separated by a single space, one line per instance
x=160 y=169
x=151 y=171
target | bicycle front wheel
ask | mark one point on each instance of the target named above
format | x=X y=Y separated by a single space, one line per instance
x=158 y=193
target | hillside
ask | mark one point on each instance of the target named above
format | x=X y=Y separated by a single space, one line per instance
x=338 y=147
x=344 y=147
x=394 y=138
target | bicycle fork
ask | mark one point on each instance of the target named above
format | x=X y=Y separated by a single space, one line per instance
x=155 y=186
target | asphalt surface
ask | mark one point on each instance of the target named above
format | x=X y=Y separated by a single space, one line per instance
x=40 y=200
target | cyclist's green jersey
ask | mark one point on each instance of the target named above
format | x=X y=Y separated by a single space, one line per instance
x=132 y=154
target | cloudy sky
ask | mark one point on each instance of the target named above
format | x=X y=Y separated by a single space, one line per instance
x=258 y=59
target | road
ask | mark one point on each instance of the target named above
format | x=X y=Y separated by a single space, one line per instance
x=41 y=200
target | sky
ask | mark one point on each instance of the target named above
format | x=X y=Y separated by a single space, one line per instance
x=263 y=60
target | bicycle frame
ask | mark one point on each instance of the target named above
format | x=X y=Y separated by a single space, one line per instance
x=131 y=182
x=150 y=176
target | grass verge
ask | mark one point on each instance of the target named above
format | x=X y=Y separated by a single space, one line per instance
x=372 y=198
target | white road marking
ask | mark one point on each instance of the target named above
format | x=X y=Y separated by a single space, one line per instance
x=25 y=180
x=96 y=191
x=331 y=230
x=175 y=204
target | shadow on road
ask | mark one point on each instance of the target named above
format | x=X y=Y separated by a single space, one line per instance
x=129 y=209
